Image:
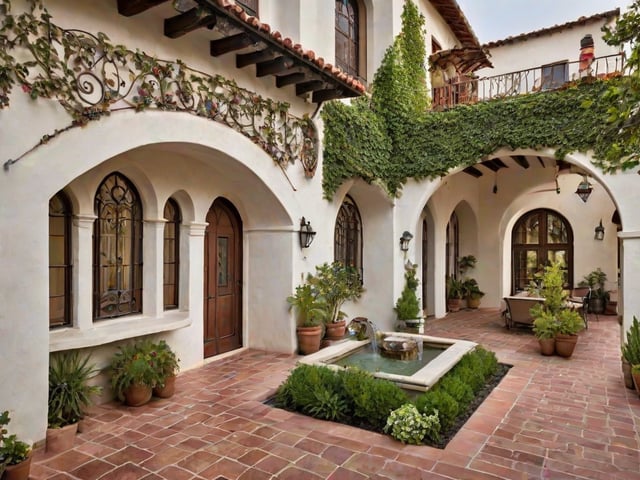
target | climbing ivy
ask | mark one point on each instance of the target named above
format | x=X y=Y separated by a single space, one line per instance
x=400 y=141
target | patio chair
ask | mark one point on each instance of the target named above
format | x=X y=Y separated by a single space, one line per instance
x=518 y=310
x=579 y=300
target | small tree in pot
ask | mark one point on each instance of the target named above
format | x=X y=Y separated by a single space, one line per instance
x=311 y=312
x=336 y=284
x=631 y=352
x=408 y=305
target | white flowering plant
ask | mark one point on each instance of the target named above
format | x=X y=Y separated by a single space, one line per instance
x=408 y=425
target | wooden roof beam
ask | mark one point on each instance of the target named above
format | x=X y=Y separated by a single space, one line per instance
x=310 y=86
x=473 y=171
x=244 y=59
x=231 y=43
x=521 y=160
x=328 y=94
x=292 y=79
x=129 y=8
x=188 y=21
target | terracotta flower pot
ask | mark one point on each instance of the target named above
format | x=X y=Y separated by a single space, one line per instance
x=137 y=395
x=309 y=339
x=19 y=471
x=547 y=346
x=61 y=439
x=565 y=344
x=454 y=304
x=335 y=330
x=626 y=374
x=168 y=389
x=636 y=382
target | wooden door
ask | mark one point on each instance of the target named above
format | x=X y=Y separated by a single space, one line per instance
x=222 y=280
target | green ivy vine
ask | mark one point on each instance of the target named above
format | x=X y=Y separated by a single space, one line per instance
x=386 y=139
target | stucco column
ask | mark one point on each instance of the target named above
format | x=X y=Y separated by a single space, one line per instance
x=83 y=270
x=629 y=277
x=195 y=265
x=153 y=255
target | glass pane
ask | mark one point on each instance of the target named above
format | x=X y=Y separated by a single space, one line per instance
x=56 y=281
x=57 y=251
x=169 y=250
x=57 y=225
x=556 y=230
x=223 y=261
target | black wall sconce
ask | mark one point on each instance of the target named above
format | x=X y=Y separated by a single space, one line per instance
x=306 y=233
x=584 y=189
x=404 y=241
x=599 y=235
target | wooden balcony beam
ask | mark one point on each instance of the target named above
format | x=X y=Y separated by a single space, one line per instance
x=473 y=171
x=521 y=160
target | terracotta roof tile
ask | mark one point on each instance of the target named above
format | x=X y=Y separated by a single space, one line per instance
x=554 y=29
x=297 y=49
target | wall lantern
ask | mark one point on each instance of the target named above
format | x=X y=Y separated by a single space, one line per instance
x=306 y=233
x=404 y=241
x=584 y=189
x=599 y=231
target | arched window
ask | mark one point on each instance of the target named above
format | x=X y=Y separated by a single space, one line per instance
x=117 y=249
x=171 y=254
x=350 y=29
x=540 y=237
x=348 y=236
x=59 y=261
x=452 y=246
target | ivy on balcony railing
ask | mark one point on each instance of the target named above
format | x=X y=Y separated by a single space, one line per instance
x=91 y=78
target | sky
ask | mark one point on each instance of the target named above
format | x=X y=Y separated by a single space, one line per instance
x=498 y=19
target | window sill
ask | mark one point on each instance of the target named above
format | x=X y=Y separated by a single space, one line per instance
x=107 y=331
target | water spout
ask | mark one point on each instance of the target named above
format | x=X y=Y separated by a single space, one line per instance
x=364 y=328
x=420 y=348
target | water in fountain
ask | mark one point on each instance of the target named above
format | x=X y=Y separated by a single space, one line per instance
x=420 y=349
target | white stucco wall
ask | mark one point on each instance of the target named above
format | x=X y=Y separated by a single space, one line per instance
x=545 y=49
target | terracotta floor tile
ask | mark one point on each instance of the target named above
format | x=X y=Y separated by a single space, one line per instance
x=545 y=414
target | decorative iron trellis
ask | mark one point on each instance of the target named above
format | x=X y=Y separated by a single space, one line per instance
x=91 y=77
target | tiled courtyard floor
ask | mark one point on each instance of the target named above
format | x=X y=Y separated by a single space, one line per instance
x=550 y=418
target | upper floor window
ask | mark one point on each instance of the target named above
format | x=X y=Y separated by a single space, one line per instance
x=349 y=37
x=250 y=6
x=171 y=254
x=554 y=75
x=348 y=236
x=59 y=261
x=117 y=250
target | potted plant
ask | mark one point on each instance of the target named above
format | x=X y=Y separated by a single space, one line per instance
x=553 y=309
x=336 y=284
x=311 y=312
x=545 y=328
x=455 y=294
x=69 y=396
x=15 y=455
x=472 y=292
x=569 y=325
x=635 y=373
x=167 y=366
x=631 y=352
x=408 y=305
x=134 y=373
x=595 y=280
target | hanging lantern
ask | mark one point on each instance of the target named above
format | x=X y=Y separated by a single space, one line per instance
x=584 y=189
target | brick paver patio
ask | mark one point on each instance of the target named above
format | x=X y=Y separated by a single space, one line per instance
x=550 y=418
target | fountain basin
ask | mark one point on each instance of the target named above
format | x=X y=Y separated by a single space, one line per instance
x=422 y=379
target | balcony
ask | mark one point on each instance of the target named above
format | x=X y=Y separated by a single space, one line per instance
x=468 y=90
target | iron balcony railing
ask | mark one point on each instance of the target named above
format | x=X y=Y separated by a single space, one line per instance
x=544 y=78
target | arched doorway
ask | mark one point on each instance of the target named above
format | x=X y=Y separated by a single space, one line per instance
x=222 y=279
x=540 y=237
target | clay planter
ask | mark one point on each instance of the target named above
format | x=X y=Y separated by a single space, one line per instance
x=636 y=382
x=626 y=374
x=335 y=330
x=547 y=346
x=454 y=304
x=565 y=344
x=137 y=395
x=473 y=302
x=61 y=439
x=309 y=339
x=19 y=471
x=168 y=390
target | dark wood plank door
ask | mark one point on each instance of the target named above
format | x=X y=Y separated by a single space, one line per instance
x=222 y=280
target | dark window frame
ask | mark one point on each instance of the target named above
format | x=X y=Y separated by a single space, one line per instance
x=350 y=11
x=117 y=194
x=541 y=248
x=176 y=220
x=66 y=213
x=348 y=236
